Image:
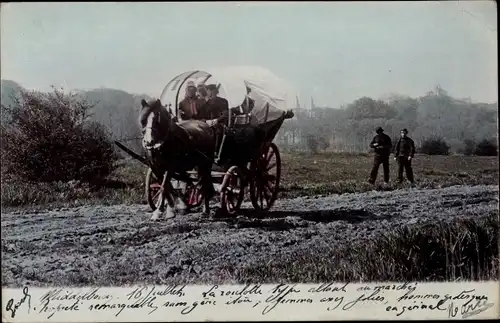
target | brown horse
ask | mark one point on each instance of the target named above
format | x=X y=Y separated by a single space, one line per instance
x=173 y=150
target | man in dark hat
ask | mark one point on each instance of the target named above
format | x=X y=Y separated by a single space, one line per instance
x=405 y=150
x=202 y=92
x=215 y=106
x=382 y=144
x=215 y=111
x=189 y=108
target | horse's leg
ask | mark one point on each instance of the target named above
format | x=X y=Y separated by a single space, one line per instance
x=207 y=186
x=165 y=195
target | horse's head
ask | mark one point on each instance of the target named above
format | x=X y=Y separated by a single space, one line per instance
x=155 y=122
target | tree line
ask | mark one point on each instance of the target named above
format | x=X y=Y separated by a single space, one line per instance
x=436 y=116
x=58 y=136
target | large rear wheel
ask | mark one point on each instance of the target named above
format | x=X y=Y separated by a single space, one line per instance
x=265 y=179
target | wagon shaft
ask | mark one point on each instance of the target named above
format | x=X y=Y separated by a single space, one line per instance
x=133 y=154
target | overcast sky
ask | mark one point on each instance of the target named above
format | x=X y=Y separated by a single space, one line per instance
x=335 y=51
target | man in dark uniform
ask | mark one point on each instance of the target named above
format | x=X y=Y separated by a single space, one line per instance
x=215 y=111
x=215 y=106
x=189 y=108
x=405 y=150
x=202 y=92
x=382 y=144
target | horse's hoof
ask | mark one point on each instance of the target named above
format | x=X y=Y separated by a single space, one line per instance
x=170 y=215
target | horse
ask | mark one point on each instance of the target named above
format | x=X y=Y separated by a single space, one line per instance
x=173 y=149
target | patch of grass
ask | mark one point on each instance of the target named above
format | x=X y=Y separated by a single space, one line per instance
x=125 y=185
x=302 y=175
x=338 y=173
x=443 y=251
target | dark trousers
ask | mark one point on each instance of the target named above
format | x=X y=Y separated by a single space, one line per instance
x=384 y=160
x=219 y=134
x=406 y=164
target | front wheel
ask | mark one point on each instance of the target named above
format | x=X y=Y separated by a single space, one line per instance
x=232 y=190
x=153 y=189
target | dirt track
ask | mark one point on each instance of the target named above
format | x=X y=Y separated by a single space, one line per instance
x=119 y=244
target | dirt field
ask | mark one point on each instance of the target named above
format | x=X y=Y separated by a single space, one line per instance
x=118 y=244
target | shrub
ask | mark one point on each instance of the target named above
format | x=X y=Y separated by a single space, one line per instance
x=316 y=143
x=434 y=146
x=50 y=138
x=469 y=147
x=486 y=147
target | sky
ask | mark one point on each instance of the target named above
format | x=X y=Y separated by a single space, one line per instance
x=333 y=51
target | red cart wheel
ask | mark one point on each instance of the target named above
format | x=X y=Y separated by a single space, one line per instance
x=153 y=189
x=265 y=179
x=232 y=190
x=193 y=196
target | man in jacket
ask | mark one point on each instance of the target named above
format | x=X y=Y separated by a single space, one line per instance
x=189 y=108
x=215 y=106
x=382 y=144
x=215 y=111
x=405 y=150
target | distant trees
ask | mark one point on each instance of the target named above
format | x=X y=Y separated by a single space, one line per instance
x=434 y=115
x=118 y=111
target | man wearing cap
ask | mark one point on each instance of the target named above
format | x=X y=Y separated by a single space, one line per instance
x=405 y=150
x=215 y=111
x=189 y=108
x=382 y=144
x=202 y=92
x=215 y=106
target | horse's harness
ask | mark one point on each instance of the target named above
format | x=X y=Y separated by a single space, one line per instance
x=173 y=118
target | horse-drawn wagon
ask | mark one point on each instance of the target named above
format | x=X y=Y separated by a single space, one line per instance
x=246 y=155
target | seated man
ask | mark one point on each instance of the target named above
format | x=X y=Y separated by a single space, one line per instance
x=214 y=111
x=202 y=92
x=215 y=106
x=191 y=106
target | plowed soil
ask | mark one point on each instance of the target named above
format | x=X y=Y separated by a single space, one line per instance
x=114 y=245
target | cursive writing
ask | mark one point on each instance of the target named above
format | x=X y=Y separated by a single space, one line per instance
x=422 y=306
x=281 y=294
x=63 y=295
x=154 y=291
x=373 y=297
x=329 y=288
x=12 y=308
x=473 y=306
x=247 y=290
x=53 y=309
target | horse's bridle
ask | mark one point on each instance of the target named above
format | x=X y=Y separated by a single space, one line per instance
x=158 y=145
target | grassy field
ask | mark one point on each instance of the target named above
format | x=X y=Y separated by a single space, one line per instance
x=302 y=175
x=446 y=234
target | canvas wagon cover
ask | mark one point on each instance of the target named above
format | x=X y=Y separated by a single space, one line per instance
x=265 y=87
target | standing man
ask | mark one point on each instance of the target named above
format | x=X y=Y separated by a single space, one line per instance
x=405 y=150
x=382 y=144
x=189 y=108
